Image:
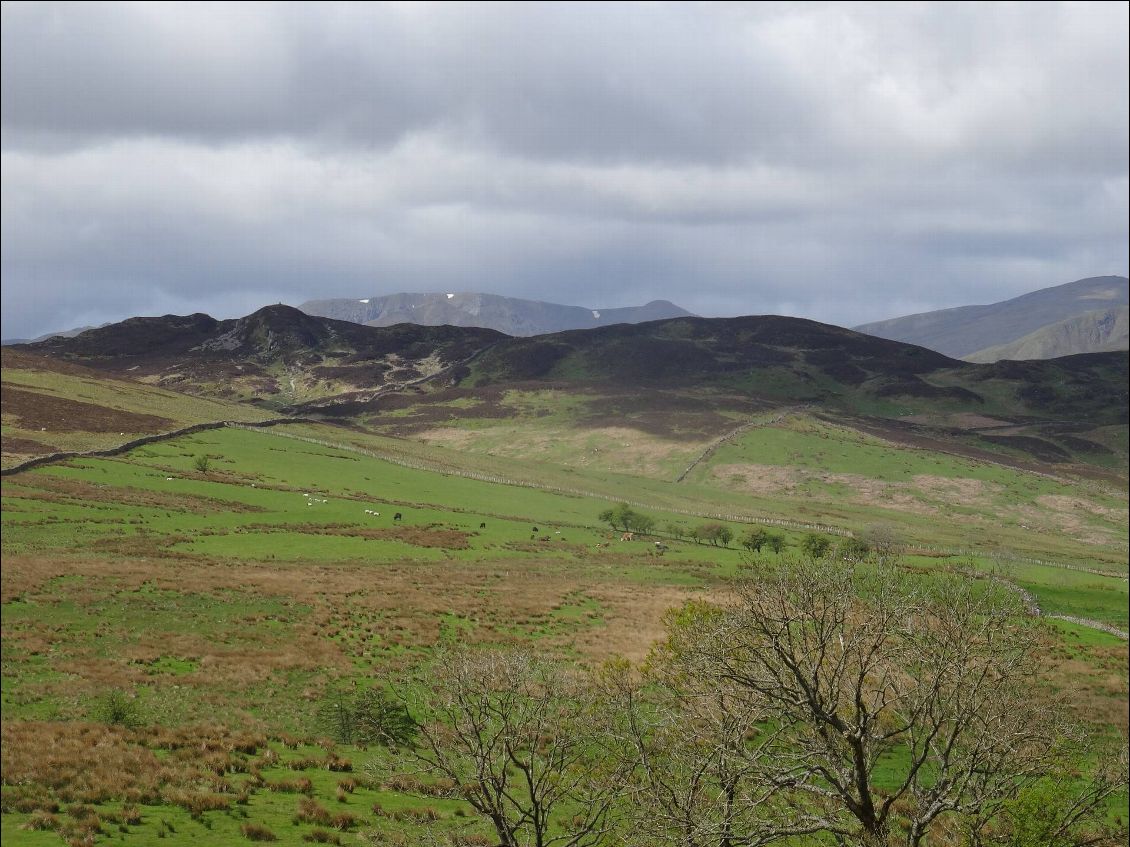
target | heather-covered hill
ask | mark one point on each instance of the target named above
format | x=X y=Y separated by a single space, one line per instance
x=276 y=354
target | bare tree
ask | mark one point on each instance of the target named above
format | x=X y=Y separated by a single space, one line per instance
x=521 y=740
x=865 y=705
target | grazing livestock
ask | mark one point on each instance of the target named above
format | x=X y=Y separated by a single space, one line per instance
x=535 y=529
x=627 y=536
x=397 y=516
x=483 y=525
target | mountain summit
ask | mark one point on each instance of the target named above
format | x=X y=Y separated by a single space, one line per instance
x=510 y=315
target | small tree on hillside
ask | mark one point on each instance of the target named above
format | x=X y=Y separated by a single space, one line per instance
x=853 y=550
x=643 y=524
x=776 y=542
x=709 y=532
x=202 y=464
x=755 y=539
x=625 y=518
x=370 y=716
x=815 y=545
x=884 y=541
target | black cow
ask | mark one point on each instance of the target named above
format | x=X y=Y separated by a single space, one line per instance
x=483 y=525
x=397 y=516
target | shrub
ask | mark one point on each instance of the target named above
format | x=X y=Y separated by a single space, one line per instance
x=118 y=708
x=815 y=545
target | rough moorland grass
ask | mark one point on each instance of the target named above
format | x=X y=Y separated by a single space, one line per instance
x=223 y=597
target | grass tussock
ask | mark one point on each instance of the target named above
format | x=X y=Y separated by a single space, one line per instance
x=257 y=832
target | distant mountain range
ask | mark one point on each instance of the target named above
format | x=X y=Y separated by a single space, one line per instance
x=1085 y=316
x=511 y=315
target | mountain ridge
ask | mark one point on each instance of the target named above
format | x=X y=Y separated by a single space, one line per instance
x=510 y=315
x=1104 y=330
x=964 y=331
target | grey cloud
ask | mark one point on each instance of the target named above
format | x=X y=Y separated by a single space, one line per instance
x=633 y=83
x=844 y=162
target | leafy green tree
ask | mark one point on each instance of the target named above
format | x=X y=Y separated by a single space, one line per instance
x=815 y=545
x=853 y=550
x=725 y=535
x=202 y=464
x=625 y=518
x=776 y=542
x=675 y=530
x=709 y=532
x=755 y=539
x=643 y=524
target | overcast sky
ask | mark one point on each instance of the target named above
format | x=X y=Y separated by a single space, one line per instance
x=840 y=162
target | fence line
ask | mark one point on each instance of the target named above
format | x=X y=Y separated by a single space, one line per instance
x=1007 y=556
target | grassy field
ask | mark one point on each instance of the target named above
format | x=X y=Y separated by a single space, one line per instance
x=215 y=610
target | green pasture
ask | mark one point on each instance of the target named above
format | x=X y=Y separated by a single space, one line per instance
x=939 y=500
x=267 y=495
